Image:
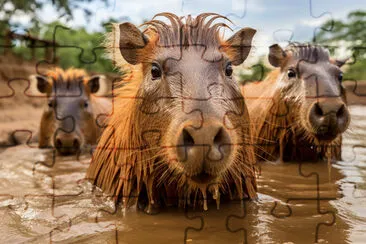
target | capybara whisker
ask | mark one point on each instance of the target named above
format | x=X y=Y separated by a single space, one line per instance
x=300 y=108
x=69 y=120
x=194 y=141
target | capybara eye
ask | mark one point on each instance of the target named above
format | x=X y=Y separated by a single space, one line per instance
x=228 y=69
x=340 y=77
x=291 y=73
x=86 y=104
x=155 y=71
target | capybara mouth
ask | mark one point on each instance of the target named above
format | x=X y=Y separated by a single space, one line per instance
x=203 y=178
x=326 y=137
x=67 y=151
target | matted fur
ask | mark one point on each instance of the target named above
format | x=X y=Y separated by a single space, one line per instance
x=308 y=52
x=180 y=32
x=123 y=165
x=275 y=119
x=187 y=31
x=73 y=82
x=71 y=75
x=72 y=79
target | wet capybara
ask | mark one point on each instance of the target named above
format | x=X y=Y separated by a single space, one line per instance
x=69 y=120
x=299 y=111
x=180 y=128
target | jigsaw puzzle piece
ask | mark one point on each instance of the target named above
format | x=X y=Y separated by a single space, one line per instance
x=313 y=186
x=237 y=227
x=283 y=36
x=18 y=119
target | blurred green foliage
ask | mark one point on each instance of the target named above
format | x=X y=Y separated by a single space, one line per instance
x=11 y=9
x=77 y=47
x=256 y=73
x=333 y=33
x=80 y=48
x=350 y=33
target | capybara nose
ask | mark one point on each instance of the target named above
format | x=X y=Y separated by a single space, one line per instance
x=67 y=144
x=329 y=119
x=201 y=149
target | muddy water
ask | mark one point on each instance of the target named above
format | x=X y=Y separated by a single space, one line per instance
x=45 y=199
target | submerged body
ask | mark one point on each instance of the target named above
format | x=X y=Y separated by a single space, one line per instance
x=180 y=131
x=299 y=111
x=70 y=118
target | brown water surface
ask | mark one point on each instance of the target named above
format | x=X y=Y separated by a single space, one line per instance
x=298 y=203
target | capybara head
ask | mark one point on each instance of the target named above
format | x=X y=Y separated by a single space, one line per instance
x=311 y=83
x=68 y=121
x=182 y=121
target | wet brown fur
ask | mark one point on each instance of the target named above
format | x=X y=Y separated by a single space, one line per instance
x=276 y=124
x=101 y=105
x=128 y=169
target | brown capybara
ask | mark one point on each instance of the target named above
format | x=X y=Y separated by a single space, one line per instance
x=69 y=120
x=299 y=111
x=180 y=128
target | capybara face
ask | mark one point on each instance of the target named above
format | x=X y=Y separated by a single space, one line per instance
x=202 y=109
x=312 y=83
x=68 y=121
x=180 y=126
x=197 y=100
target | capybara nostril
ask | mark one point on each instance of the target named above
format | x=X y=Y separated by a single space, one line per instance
x=341 y=111
x=187 y=138
x=200 y=149
x=220 y=136
x=316 y=116
x=318 y=110
x=185 y=145
x=58 y=143
x=328 y=119
x=76 y=144
x=206 y=135
x=67 y=144
x=343 y=118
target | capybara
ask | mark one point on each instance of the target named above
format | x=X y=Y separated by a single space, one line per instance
x=179 y=134
x=299 y=111
x=69 y=120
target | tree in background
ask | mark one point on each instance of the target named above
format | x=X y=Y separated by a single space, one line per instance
x=333 y=33
x=257 y=72
x=11 y=9
x=350 y=33
x=77 y=47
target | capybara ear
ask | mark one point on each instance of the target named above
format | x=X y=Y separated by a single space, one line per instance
x=94 y=83
x=131 y=42
x=239 y=45
x=43 y=85
x=276 y=55
x=339 y=62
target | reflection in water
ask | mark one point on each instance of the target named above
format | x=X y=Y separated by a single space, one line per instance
x=298 y=203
